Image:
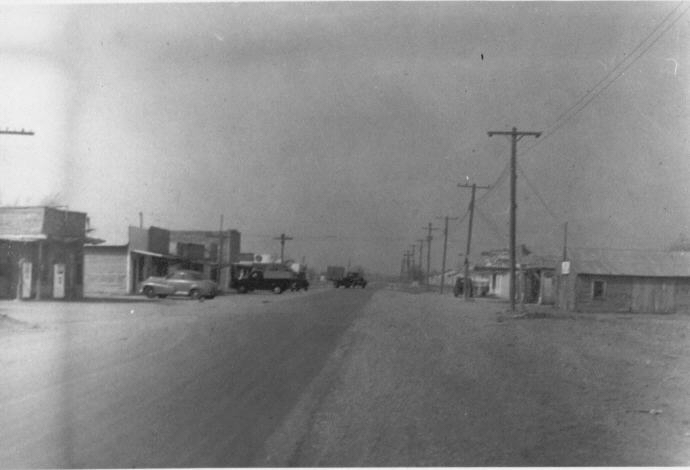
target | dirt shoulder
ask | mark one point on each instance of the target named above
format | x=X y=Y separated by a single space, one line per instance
x=429 y=380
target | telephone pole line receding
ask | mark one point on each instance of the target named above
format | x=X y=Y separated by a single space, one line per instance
x=282 y=239
x=467 y=284
x=428 y=252
x=445 y=249
x=515 y=136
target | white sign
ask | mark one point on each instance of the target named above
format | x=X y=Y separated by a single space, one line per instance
x=59 y=281
x=565 y=267
x=26 y=279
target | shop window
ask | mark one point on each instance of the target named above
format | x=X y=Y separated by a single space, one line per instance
x=598 y=290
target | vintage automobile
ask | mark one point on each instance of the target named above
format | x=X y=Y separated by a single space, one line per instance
x=183 y=282
x=352 y=279
x=459 y=287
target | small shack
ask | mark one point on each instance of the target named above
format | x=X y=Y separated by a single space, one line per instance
x=634 y=281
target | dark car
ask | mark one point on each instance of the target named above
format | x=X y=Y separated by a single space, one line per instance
x=351 y=280
x=183 y=282
x=459 y=287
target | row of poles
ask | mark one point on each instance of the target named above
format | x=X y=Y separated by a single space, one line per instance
x=515 y=136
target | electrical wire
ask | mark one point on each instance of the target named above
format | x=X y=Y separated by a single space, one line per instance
x=536 y=193
x=577 y=108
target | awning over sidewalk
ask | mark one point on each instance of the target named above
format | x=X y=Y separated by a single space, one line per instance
x=155 y=255
x=24 y=238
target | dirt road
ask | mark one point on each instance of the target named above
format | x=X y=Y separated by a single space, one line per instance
x=339 y=378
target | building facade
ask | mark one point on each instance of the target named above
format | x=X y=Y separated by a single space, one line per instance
x=120 y=269
x=211 y=252
x=154 y=251
x=624 y=281
x=42 y=253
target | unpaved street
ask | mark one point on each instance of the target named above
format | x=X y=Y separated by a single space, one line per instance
x=339 y=378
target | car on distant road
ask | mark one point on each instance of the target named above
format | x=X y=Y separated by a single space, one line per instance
x=183 y=282
x=351 y=280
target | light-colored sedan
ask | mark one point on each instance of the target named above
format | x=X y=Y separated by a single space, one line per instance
x=183 y=282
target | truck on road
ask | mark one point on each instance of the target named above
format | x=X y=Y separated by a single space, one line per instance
x=255 y=276
x=352 y=279
x=338 y=276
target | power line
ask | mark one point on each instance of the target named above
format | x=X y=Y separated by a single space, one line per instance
x=575 y=109
x=536 y=193
x=492 y=225
x=632 y=53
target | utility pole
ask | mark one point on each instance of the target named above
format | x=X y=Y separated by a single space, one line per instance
x=467 y=286
x=445 y=249
x=282 y=239
x=406 y=264
x=220 y=253
x=40 y=246
x=13 y=132
x=430 y=228
x=565 y=242
x=421 y=255
x=515 y=136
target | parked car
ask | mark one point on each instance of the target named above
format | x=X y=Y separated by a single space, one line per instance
x=459 y=287
x=351 y=280
x=183 y=282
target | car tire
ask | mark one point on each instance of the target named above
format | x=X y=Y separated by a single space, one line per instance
x=162 y=296
x=149 y=292
x=194 y=294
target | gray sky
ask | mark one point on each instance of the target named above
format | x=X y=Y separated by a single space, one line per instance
x=349 y=125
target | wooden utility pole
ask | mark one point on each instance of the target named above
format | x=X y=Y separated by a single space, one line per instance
x=421 y=255
x=13 y=132
x=515 y=136
x=220 y=253
x=467 y=285
x=282 y=239
x=430 y=228
x=445 y=249
x=565 y=242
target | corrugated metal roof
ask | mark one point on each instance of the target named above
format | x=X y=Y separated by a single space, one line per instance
x=630 y=262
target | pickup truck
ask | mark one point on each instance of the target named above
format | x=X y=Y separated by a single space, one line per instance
x=276 y=280
x=351 y=280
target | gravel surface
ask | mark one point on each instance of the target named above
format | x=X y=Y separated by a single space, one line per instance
x=429 y=380
x=409 y=379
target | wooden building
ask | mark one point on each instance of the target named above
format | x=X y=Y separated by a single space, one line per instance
x=41 y=253
x=624 y=281
x=120 y=269
x=154 y=251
